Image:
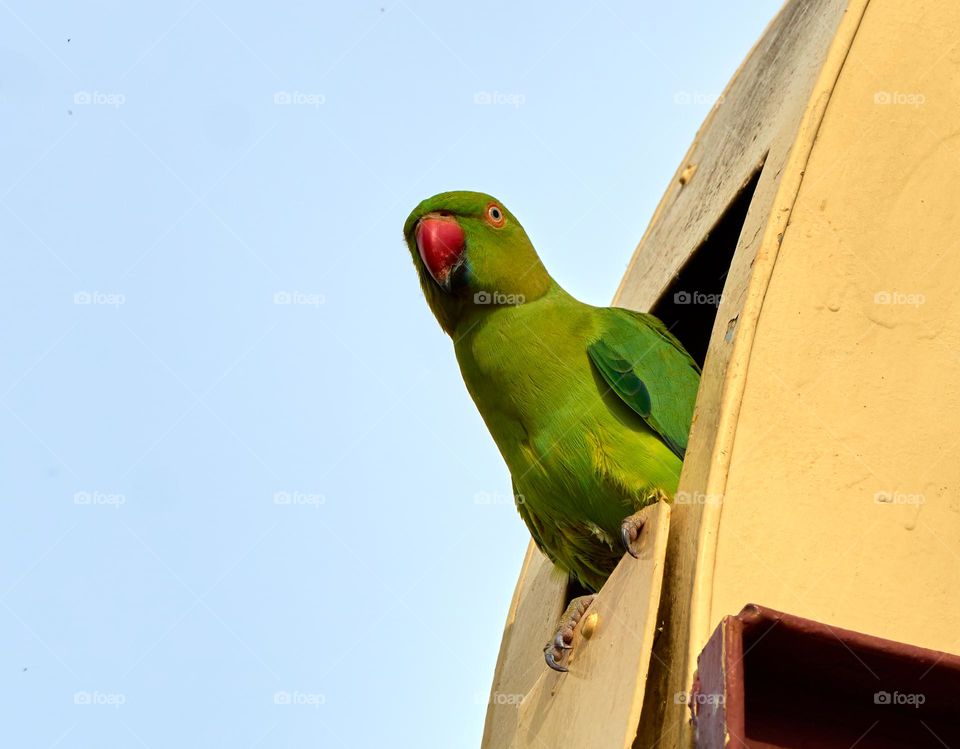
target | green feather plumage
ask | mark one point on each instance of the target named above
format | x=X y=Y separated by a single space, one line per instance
x=589 y=406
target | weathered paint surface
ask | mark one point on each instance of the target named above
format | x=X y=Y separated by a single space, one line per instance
x=845 y=507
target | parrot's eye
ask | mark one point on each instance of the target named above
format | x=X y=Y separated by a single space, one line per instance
x=495 y=215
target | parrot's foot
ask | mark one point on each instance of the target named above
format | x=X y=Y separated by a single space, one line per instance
x=631 y=526
x=563 y=639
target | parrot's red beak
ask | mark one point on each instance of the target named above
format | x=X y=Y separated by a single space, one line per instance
x=441 y=242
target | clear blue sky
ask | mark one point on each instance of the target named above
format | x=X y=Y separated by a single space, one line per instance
x=239 y=467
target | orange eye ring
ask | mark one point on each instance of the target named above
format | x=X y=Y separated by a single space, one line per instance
x=495 y=216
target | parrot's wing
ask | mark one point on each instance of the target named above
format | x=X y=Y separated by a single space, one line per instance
x=648 y=368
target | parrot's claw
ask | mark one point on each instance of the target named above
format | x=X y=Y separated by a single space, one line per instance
x=627 y=537
x=555 y=650
x=630 y=532
x=551 y=659
x=631 y=527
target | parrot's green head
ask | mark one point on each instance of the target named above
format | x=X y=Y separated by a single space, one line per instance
x=472 y=256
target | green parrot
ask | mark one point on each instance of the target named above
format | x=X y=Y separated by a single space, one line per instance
x=589 y=406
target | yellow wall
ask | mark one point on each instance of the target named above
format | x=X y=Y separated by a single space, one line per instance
x=852 y=391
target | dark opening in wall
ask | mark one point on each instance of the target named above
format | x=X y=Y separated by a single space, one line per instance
x=689 y=305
